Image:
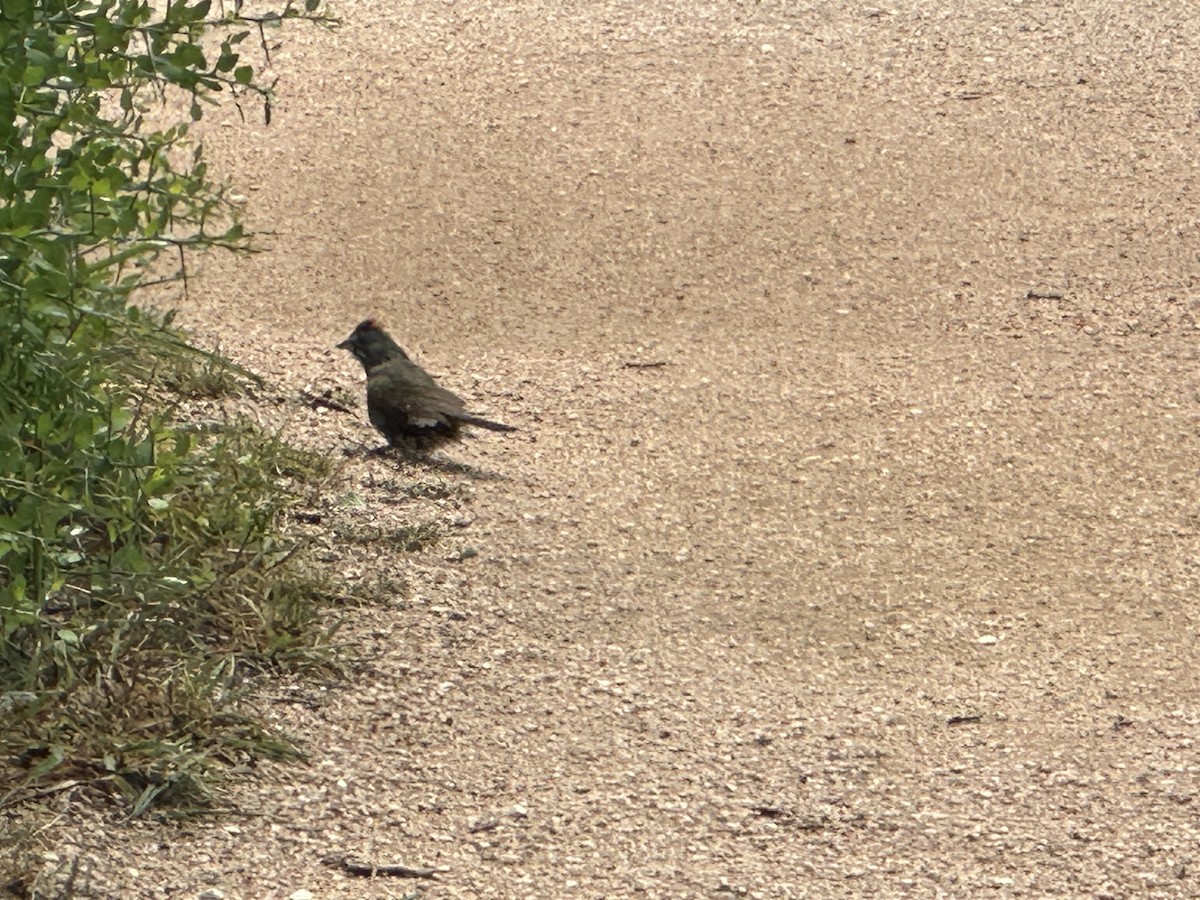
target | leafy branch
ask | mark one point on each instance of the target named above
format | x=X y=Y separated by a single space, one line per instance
x=120 y=599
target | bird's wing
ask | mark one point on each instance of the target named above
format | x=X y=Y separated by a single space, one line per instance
x=435 y=404
x=402 y=384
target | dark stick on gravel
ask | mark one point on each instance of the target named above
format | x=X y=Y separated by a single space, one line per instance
x=370 y=870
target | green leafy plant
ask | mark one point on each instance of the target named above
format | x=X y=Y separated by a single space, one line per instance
x=144 y=577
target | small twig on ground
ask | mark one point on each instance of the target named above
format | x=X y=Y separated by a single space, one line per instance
x=969 y=719
x=326 y=400
x=371 y=870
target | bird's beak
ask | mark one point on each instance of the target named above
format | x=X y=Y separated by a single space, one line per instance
x=344 y=345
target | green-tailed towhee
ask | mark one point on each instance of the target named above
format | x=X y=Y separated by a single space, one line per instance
x=403 y=400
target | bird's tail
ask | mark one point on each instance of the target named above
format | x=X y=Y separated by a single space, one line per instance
x=483 y=423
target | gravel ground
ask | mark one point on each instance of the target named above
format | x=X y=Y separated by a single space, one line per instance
x=849 y=543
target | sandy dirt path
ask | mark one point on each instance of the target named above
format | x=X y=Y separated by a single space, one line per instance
x=881 y=579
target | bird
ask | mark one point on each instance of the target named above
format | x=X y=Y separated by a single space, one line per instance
x=404 y=403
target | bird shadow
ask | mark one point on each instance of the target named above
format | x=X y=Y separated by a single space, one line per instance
x=412 y=457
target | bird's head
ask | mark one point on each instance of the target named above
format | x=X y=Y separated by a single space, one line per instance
x=371 y=345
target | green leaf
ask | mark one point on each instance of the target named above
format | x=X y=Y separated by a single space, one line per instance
x=16 y=587
x=104 y=227
x=244 y=74
x=188 y=57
